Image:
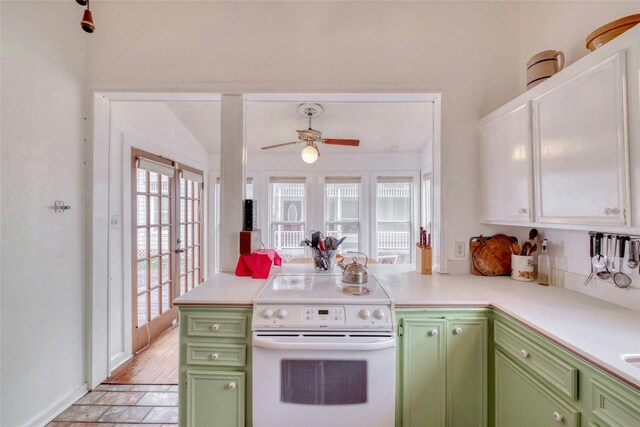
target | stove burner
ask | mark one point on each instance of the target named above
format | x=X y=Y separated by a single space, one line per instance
x=356 y=290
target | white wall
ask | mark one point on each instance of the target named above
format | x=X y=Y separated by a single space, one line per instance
x=43 y=253
x=150 y=126
x=564 y=26
x=464 y=49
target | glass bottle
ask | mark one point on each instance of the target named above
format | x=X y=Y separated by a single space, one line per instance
x=544 y=265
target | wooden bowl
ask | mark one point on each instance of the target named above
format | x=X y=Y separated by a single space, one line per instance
x=610 y=31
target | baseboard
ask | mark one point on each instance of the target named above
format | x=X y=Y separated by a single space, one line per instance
x=119 y=360
x=44 y=417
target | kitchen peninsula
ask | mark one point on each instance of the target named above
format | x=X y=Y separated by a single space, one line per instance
x=569 y=348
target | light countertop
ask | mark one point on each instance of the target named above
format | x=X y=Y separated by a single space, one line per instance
x=595 y=330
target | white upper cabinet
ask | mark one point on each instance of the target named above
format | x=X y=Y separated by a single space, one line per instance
x=580 y=149
x=505 y=167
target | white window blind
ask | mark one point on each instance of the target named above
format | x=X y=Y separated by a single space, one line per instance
x=156 y=167
x=191 y=176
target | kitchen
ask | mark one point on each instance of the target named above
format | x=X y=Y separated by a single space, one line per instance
x=474 y=53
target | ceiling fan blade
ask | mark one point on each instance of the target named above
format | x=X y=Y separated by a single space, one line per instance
x=279 y=145
x=350 y=142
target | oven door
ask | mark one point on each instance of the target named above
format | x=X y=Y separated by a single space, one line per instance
x=341 y=379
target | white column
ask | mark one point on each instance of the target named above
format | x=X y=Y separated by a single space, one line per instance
x=232 y=179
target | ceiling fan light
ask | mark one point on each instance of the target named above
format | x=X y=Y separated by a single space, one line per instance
x=310 y=153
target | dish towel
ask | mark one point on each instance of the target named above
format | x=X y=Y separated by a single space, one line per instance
x=258 y=264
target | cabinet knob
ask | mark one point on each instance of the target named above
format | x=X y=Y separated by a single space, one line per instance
x=607 y=211
x=215 y=327
x=231 y=386
x=434 y=333
x=458 y=331
x=215 y=356
x=557 y=417
x=524 y=353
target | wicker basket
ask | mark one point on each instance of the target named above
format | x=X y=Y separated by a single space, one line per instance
x=610 y=31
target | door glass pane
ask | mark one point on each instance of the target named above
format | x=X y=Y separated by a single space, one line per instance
x=154 y=210
x=153 y=241
x=189 y=259
x=154 y=186
x=142 y=180
x=142 y=210
x=196 y=234
x=196 y=259
x=142 y=309
x=142 y=243
x=165 y=184
x=165 y=219
x=154 y=263
x=189 y=188
x=165 y=298
x=142 y=277
x=183 y=258
x=189 y=211
x=323 y=382
x=165 y=239
x=189 y=241
x=183 y=284
x=189 y=281
x=155 y=303
x=165 y=269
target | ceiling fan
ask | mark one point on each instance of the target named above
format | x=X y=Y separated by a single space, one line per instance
x=312 y=137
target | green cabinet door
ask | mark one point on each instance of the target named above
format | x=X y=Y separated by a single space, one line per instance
x=523 y=401
x=466 y=372
x=215 y=399
x=423 y=373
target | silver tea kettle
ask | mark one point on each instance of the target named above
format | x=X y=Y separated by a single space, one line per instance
x=354 y=272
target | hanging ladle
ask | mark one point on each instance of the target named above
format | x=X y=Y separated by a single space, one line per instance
x=621 y=279
x=592 y=242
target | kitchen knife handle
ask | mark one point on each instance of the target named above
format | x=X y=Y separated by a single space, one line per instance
x=623 y=243
x=599 y=244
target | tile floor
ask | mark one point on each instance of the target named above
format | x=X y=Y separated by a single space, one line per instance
x=112 y=404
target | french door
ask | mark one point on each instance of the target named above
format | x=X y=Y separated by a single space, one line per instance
x=166 y=241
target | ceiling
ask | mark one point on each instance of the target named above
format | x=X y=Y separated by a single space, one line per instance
x=381 y=126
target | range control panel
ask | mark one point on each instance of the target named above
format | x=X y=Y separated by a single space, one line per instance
x=267 y=316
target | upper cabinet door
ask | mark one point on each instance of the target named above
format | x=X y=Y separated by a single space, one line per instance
x=505 y=168
x=580 y=148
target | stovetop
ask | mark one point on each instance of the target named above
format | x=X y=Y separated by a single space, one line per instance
x=321 y=288
x=322 y=302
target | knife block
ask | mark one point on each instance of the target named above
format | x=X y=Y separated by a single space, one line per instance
x=423 y=260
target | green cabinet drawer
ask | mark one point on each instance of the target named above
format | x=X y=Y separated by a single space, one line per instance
x=199 y=325
x=550 y=368
x=614 y=407
x=523 y=401
x=216 y=354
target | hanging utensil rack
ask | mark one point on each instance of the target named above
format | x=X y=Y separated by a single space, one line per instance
x=616 y=236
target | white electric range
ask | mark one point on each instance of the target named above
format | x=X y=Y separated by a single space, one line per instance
x=323 y=353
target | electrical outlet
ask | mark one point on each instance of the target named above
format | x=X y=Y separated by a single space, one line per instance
x=460 y=250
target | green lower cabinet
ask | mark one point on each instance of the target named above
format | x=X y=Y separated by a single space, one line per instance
x=467 y=372
x=444 y=371
x=523 y=401
x=423 y=373
x=215 y=399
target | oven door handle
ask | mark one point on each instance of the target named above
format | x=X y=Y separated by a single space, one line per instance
x=275 y=344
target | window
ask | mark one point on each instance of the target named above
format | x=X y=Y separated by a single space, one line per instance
x=342 y=211
x=288 y=216
x=394 y=220
x=248 y=189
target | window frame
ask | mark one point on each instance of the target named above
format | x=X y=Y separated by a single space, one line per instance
x=308 y=204
x=413 y=177
x=363 y=204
